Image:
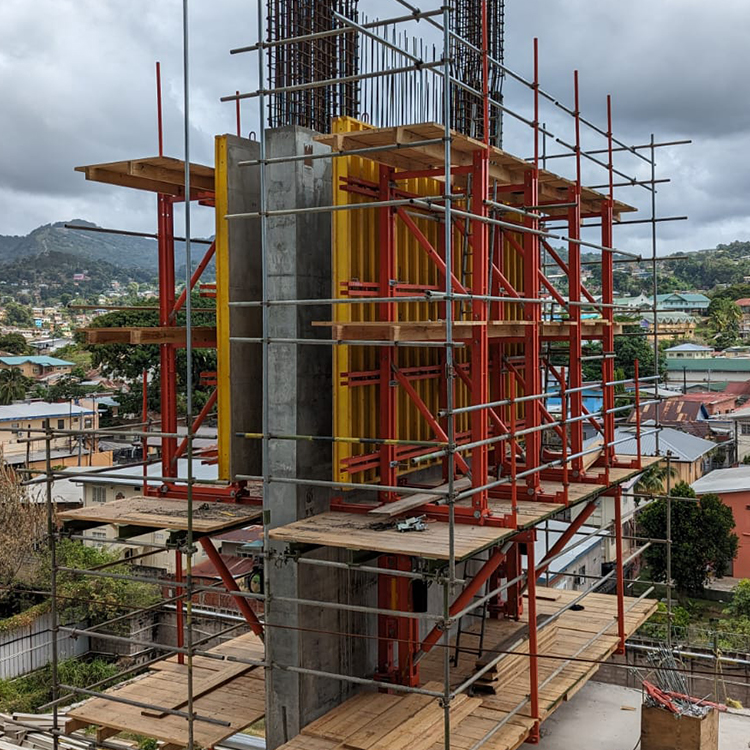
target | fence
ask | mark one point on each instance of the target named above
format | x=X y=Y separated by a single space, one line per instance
x=29 y=647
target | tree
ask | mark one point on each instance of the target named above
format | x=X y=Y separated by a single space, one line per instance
x=14 y=343
x=740 y=604
x=702 y=538
x=636 y=345
x=13 y=385
x=128 y=362
x=724 y=318
x=653 y=480
x=23 y=525
x=18 y=315
x=66 y=389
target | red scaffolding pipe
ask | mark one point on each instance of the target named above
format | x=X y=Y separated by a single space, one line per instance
x=465 y=597
x=231 y=585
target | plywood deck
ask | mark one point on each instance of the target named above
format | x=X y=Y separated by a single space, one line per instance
x=158 y=513
x=157 y=174
x=504 y=167
x=356 y=531
x=462 y=329
x=224 y=690
x=373 y=721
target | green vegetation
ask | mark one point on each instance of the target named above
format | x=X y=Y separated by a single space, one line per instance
x=13 y=385
x=128 y=362
x=653 y=481
x=724 y=318
x=14 y=343
x=705 y=269
x=26 y=694
x=703 y=541
x=18 y=315
x=96 y=598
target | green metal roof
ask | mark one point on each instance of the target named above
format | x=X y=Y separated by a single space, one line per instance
x=709 y=364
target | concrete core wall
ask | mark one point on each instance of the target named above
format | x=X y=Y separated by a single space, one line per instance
x=300 y=403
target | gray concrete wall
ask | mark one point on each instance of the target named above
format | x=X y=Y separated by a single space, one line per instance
x=300 y=402
x=243 y=196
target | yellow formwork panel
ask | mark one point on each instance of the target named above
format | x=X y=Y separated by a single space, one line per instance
x=356 y=257
x=223 y=403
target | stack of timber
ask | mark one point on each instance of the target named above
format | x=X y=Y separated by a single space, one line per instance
x=516 y=658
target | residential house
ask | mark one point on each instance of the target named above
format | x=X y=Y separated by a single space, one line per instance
x=125 y=482
x=673 y=324
x=49 y=345
x=686 y=415
x=580 y=563
x=715 y=403
x=247 y=573
x=738 y=423
x=688 y=456
x=744 y=305
x=711 y=372
x=687 y=302
x=37 y=366
x=733 y=487
x=689 y=350
x=23 y=440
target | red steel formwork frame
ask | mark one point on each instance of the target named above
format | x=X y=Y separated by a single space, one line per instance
x=490 y=374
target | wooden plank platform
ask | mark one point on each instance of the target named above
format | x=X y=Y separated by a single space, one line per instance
x=462 y=329
x=157 y=174
x=364 y=531
x=504 y=167
x=159 y=513
x=374 y=721
x=224 y=690
x=202 y=336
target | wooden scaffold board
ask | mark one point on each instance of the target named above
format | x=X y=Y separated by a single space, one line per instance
x=231 y=692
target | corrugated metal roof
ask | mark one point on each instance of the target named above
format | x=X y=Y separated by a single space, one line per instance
x=712 y=364
x=673 y=411
x=36 y=359
x=682 y=446
x=689 y=348
x=736 y=479
x=41 y=410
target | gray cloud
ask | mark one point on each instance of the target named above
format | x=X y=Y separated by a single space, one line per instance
x=77 y=83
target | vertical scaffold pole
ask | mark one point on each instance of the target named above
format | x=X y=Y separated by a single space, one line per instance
x=449 y=370
x=608 y=336
x=574 y=296
x=533 y=640
x=620 y=572
x=532 y=312
x=387 y=312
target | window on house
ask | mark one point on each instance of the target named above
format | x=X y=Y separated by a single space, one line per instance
x=99 y=534
x=99 y=494
x=579 y=577
x=745 y=428
x=88 y=422
x=60 y=424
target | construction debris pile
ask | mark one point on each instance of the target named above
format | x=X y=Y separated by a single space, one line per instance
x=669 y=689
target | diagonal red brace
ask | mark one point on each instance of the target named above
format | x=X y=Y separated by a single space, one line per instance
x=428 y=415
x=466 y=596
x=430 y=250
x=197 y=422
x=231 y=585
x=559 y=545
x=200 y=268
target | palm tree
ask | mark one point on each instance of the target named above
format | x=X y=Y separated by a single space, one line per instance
x=12 y=385
x=654 y=479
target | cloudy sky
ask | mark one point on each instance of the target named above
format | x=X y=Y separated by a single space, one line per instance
x=77 y=85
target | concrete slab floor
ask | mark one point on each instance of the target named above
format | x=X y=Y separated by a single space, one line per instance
x=596 y=720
